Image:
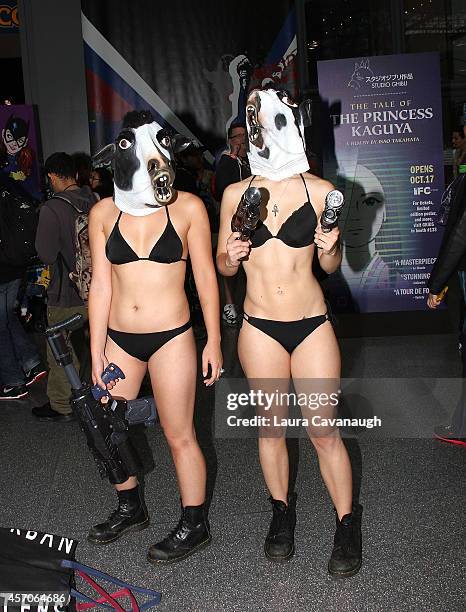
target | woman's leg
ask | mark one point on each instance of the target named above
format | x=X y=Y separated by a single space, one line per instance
x=267 y=366
x=131 y=514
x=173 y=374
x=315 y=367
x=315 y=359
x=264 y=360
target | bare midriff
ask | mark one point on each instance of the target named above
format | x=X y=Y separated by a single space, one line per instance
x=148 y=297
x=280 y=283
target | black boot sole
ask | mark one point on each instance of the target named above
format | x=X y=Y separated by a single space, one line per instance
x=352 y=572
x=280 y=559
x=182 y=557
x=131 y=529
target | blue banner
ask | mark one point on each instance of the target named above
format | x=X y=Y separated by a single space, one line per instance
x=384 y=150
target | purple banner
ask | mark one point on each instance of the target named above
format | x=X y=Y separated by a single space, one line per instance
x=384 y=150
x=19 y=159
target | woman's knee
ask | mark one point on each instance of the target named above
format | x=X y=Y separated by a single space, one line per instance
x=180 y=442
x=272 y=444
x=327 y=444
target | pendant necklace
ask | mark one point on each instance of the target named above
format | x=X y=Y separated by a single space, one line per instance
x=275 y=208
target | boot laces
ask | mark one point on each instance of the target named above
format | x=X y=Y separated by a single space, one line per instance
x=180 y=532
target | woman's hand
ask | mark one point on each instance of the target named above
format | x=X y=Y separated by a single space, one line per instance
x=212 y=355
x=99 y=363
x=236 y=250
x=327 y=241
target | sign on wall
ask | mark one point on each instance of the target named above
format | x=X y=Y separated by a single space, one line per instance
x=384 y=150
x=19 y=158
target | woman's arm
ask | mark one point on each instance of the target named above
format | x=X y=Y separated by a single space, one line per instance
x=328 y=243
x=200 y=252
x=100 y=293
x=230 y=250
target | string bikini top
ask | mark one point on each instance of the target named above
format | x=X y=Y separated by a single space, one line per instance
x=168 y=248
x=296 y=232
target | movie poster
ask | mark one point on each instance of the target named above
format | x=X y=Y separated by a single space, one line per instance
x=19 y=160
x=384 y=151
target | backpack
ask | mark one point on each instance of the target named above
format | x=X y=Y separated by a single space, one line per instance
x=81 y=275
x=18 y=226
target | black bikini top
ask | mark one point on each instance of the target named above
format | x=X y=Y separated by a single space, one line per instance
x=296 y=232
x=167 y=249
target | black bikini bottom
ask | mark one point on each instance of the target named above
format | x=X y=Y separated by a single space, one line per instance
x=288 y=333
x=143 y=346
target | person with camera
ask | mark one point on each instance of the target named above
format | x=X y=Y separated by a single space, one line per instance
x=286 y=332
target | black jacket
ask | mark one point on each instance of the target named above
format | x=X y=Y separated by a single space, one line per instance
x=452 y=254
x=229 y=170
x=55 y=236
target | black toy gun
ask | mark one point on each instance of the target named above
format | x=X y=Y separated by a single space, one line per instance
x=105 y=425
x=334 y=203
x=247 y=214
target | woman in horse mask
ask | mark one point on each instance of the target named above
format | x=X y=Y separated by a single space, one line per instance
x=286 y=332
x=139 y=316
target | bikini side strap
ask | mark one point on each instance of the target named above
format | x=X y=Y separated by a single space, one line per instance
x=250 y=182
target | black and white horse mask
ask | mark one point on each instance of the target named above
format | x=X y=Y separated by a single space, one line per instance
x=143 y=167
x=275 y=127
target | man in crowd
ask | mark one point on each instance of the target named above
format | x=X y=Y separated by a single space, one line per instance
x=232 y=167
x=20 y=363
x=451 y=259
x=55 y=244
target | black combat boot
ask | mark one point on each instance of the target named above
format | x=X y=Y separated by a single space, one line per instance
x=190 y=535
x=131 y=515
x=279 y=543
x=346 y=556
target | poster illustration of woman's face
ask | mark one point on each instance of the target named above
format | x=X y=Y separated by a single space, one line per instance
x=365 y=209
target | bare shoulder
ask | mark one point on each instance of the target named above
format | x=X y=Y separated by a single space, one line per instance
x=233 y=193
x=319 y=186
x=102 y=209
x=189 y=207
x=190 y=203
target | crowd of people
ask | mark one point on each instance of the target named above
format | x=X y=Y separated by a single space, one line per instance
x=143 y=321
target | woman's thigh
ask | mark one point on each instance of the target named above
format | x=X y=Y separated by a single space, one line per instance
x=318 y=355
x=315 y=368
x=133 y=369
x=260 y=355
x=173 y=375
x=267 y=367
